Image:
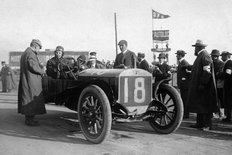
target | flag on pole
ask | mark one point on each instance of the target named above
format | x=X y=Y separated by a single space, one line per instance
x=157 y=15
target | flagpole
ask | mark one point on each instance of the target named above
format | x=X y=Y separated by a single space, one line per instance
x=152 y=27
x=152 y=20
x=116 y=39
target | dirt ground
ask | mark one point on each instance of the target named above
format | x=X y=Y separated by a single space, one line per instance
x=59 y=134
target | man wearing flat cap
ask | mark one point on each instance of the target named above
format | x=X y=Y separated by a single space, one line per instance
x=162 y=69
x=227 y=89
x=183 y=75
x=125 y=59
x=142 y=63
x=202 y=90
x=30 y=97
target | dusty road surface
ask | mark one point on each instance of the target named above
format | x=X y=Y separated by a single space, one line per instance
x=59 y=134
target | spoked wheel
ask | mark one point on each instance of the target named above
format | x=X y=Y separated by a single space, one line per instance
x=170 y=120
x=94 y=114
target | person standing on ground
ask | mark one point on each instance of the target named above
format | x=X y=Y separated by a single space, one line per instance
x=125 y=59
x=227 y=89
x=30 y=97
x=3 y=76
x=10 y=79
x=218 y=68
x=183 y=75
x=202 y=90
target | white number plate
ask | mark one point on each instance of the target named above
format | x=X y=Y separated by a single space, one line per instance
x=135 y=90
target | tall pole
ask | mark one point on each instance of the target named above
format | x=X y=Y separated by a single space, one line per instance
x=116 y=39
x=152 y=20
x=152 y=28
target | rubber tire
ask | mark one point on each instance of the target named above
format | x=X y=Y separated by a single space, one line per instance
x=178 y=105
x=97 y=92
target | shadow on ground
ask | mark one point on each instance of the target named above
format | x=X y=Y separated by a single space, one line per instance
x=62 y=126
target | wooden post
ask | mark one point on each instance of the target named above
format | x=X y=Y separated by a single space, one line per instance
x=116 y=39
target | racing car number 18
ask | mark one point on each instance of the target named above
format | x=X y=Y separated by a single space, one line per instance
x=135 y=90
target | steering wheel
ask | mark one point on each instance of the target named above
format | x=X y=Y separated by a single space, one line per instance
x=67 y=66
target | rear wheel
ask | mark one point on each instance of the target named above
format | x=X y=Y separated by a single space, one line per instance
x=170 y=120
x=94 y=114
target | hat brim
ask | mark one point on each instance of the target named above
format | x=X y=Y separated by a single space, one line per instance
x=161 y=57
x=180 y=53
x=215 y=55
x=226 y=54
x=199 y=45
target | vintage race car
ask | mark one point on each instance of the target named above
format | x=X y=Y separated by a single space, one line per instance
x=101 y=96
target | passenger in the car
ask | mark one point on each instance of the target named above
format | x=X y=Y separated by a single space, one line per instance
x=93 y=62
x=53 y=65
x=80 y=64
x=162 y=70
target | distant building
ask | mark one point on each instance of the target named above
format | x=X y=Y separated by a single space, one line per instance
x=44 y=56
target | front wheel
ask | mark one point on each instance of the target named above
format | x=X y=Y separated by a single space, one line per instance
x=171 y=119
x=94 y=114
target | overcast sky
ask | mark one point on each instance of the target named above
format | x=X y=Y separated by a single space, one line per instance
x=89 y=25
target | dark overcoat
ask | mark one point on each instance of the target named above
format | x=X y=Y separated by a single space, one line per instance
x=227 y=84
x=10 y=78
x=30 y=97
x=162 y=73
x=4 y=79
x=182 y=75
x=202 y=90
x=52 y=67
x=128 y=59
x=144 y=65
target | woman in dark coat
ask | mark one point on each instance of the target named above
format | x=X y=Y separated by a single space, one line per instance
x=30 y=97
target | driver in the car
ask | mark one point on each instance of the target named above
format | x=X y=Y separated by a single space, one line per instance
x=53 y=68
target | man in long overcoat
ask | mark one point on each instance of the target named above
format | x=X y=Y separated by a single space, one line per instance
x=227 y=89
x=125 y=59
x=202 y=89
x=218 y=68
x=183 y=75
x=30 y=97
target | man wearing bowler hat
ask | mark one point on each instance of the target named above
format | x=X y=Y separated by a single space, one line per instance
x=125 y=59
x=183 y=75
x=202 y=90
x=30 y=96
x=218 y=68
x=162 y=69
x=227 y=89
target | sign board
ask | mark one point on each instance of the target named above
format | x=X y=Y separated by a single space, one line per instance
x=161 y=49
x=160 y=35
x=43 y=56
